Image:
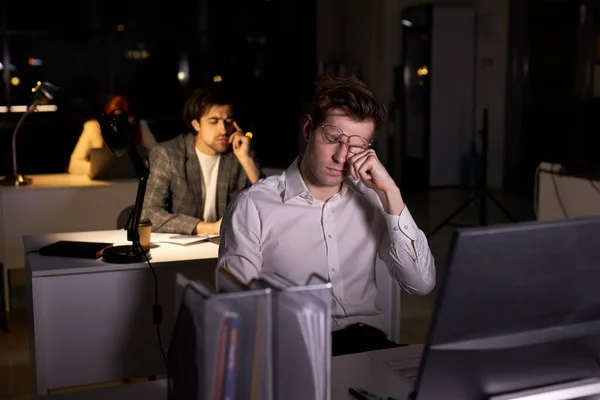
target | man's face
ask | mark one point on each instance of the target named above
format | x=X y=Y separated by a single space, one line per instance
x=213 y=129
x=327 y=161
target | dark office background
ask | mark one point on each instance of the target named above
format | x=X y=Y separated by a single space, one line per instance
x=156 y=53
x=553 y=89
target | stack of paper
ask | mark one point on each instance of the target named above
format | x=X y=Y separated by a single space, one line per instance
x=183 y=240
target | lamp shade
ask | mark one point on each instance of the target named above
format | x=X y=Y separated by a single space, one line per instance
x=117 y=132
x=44 y=93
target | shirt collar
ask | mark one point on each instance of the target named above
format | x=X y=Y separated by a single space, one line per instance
x=295 y=186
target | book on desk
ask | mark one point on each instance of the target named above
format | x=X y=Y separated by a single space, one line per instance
x=73 y=249
x=260 y=341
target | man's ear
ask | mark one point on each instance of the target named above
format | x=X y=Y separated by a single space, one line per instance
x=308 y=127
x=196 y=125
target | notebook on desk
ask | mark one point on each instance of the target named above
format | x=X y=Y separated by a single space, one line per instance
x=66 y=248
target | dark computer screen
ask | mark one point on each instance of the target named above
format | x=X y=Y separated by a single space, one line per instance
x=518 y=308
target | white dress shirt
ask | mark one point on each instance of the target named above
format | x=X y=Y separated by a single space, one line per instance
x=277 y=226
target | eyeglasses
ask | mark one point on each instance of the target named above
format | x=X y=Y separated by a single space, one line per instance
x=356 y=144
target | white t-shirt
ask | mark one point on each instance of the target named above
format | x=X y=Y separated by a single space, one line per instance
x=210 y=175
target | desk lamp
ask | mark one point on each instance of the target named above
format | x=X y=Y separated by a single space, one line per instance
x=119 y=134
x=44 y=93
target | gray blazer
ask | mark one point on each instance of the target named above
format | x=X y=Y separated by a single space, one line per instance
x=173 y=201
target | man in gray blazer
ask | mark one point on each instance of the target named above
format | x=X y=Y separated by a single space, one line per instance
x=194 y=176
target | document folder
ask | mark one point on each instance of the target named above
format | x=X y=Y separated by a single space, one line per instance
x=301 y=337
x=221 y=347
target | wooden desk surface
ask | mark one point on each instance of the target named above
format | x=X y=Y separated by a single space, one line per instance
x=64 y=181
x=161 y=253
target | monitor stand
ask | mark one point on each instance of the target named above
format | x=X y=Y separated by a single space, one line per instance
x=588 y=389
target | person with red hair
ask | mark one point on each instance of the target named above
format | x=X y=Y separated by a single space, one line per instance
x=91 y=136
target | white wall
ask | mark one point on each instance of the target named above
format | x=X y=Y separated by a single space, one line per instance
x=369 y=32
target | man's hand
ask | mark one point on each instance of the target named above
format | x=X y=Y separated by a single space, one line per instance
x=240 y=143
x=208 y=228
x=217 y=226
x=241 y=149
x=367 y=167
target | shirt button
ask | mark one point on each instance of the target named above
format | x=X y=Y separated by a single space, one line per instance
x=405 y=226
x=329 y=236
x=333 y=269
x=396 y=228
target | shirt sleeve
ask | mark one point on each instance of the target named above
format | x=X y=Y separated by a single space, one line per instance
x=240 y=247
x=405 y=251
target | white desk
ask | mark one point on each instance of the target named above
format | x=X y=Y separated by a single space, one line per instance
x=577 y=196
x=71 y=300
x=57 y=203
x=371 y=371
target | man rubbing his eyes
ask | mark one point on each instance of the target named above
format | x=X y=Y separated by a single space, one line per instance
x=196 y=175
x=333 y=212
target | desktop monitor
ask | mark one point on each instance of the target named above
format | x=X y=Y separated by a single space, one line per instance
x=518 y=309
x=106 y=166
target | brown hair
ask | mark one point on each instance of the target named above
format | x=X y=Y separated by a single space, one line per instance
x=201 y=101
x=350 y=95
x=118 y=102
